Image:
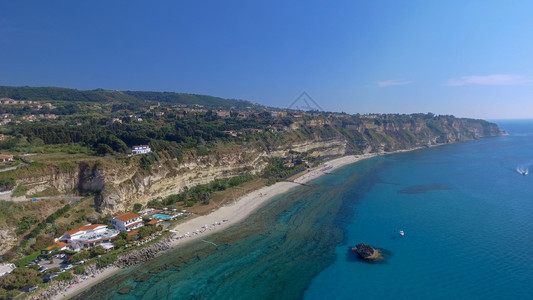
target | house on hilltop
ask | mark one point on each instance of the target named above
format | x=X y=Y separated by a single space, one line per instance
x=140 y=149
x=4 y=157
x=127 y=222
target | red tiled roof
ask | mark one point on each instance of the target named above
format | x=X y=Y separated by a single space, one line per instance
x=135 y=232
x=56 y=245
x=127 y=216
x=84 y=228
x=5 y=156
x=152 y=222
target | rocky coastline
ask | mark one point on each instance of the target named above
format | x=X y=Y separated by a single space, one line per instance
x=134 y=257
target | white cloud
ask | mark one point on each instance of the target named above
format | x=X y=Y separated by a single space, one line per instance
x=496 y=79
x=393 y=82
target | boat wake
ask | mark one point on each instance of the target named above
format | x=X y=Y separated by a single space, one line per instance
x=522 y=171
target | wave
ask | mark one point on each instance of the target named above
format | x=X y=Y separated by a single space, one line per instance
x=522 y=170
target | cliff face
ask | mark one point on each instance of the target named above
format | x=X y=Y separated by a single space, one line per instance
x=117 y=187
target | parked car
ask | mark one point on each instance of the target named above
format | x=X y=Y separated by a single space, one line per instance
x=49 y=277
x=29 y=288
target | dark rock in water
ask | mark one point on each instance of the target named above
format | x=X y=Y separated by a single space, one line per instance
x=420 y=189
x=367 y=252
x=125 y=290
x=142 y=277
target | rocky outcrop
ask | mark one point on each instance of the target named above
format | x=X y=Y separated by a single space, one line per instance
x=367 y=252
x=143 y=254
x=8 y=239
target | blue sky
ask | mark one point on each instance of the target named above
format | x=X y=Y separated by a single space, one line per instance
x=466 y=58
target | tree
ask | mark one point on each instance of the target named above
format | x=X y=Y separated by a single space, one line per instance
x=80 y=256
x=119 y=243
x=104 y=149
x=137 y=207
x=64 y=276
x=106 y=260
x=7 y=184
x=79 y=270
x=43 y=241
x=122 y=235
x=98 y=250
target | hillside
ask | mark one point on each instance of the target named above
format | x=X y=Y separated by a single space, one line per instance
x=123 y=97
x=83 y=150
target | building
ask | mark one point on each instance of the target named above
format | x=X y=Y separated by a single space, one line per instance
x=140 y=149
x=288 y=165
x=57 y=246
x=127 y=222
x=4 y=157
x=90 y=235
x=152 y=222
x=6 y=269
x=278 y=114
x=224 y=114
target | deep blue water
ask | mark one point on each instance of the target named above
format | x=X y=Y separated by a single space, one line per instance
x=473 y=240
x=466 y=212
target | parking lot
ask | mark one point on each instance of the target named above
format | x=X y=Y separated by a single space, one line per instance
x=57 y=261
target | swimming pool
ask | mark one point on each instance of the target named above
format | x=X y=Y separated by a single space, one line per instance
x=163 y=217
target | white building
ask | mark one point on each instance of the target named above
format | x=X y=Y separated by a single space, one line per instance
x=127 y=222
x=140 y=149
x=6 y=268
x=90 y=235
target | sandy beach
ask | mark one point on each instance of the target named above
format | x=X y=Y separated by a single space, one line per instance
x=201 y=226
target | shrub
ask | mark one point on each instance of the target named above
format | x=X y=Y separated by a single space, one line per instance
x=20 y=190
x=137 y=207
x=79 y=269
x=106 y=260
x=7 y=184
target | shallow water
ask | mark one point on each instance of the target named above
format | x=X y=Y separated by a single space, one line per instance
x=466 y=214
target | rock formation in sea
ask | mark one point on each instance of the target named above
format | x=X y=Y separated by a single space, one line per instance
x=367 y=252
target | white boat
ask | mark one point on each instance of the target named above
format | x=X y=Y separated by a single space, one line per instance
x=402 y=233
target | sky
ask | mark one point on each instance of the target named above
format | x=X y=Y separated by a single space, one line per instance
x=466 y=58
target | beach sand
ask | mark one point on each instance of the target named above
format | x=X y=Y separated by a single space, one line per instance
x=201 y=226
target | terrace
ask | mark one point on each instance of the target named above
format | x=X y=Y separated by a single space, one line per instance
x=91 y=238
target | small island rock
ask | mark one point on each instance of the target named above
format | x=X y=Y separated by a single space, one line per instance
x=367 y=252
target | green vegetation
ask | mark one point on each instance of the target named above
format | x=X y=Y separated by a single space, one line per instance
x=276 y=169
x=202 y=193
x=137 y=207
x=89 y=133
x=7 y=184
x=20 y=190
x=79 y=269
x=26 y=223
x=83 y=255
x=17 y=279
x=119 y=99
x=27 y=259
x=106 y=259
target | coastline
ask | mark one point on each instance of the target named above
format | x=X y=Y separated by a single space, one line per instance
x=226 y=216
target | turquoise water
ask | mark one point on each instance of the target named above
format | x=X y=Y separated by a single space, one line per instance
x=466 y=212
x=158 y=216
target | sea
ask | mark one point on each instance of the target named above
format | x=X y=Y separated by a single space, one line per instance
x=466 y=211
